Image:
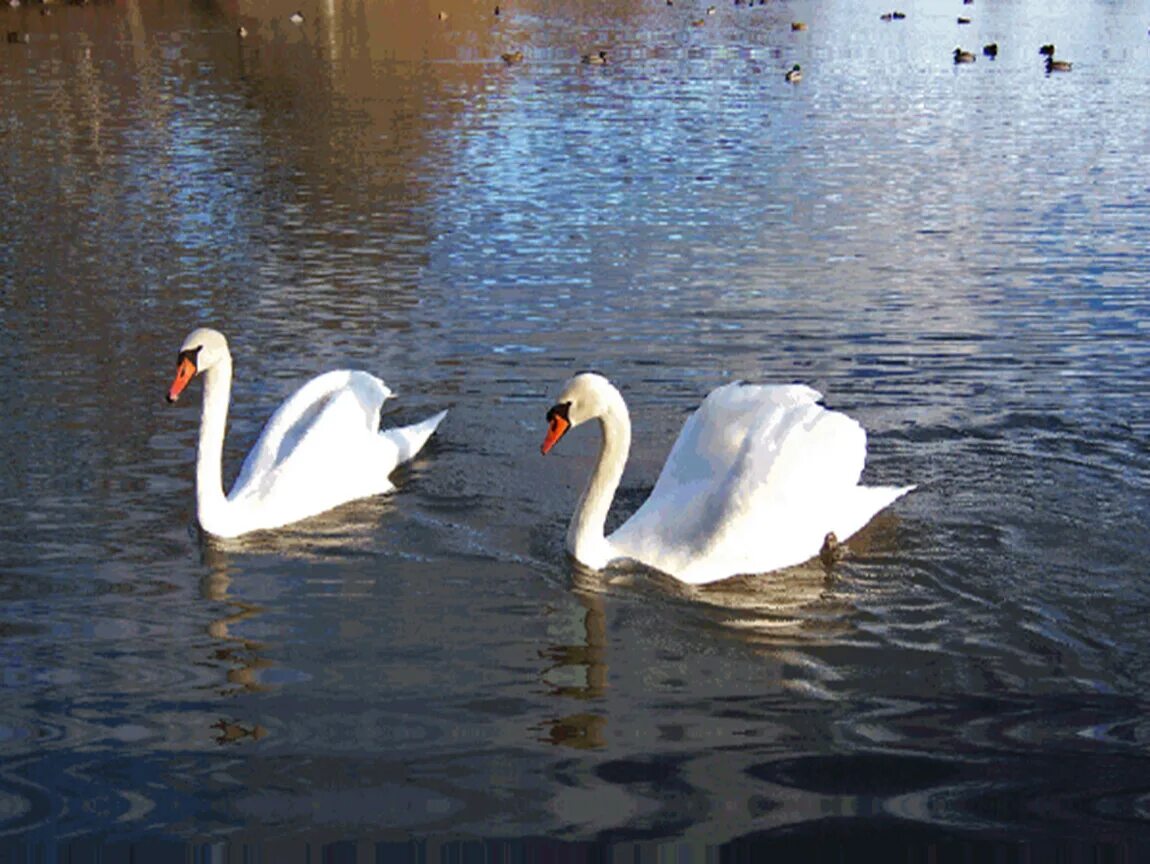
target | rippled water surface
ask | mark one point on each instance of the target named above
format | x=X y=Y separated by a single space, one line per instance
x=955 y=255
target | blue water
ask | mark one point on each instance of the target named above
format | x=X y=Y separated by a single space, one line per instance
x=954 y=255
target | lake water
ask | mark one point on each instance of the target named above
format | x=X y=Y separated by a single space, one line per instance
x=956 y=255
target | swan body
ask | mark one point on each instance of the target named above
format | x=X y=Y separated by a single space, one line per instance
x=322 y=447
x=756 y=480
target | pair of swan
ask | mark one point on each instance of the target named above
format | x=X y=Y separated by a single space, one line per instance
x=758 y=479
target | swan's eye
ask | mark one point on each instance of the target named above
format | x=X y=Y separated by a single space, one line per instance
x=190 y=355
x=559 y=411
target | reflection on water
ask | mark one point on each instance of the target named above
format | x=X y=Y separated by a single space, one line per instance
x=955 y=256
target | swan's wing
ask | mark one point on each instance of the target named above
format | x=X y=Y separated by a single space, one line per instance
x=753 y=484
x=337 y=410
x=715 y=435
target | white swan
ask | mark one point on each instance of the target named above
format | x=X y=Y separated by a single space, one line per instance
x=757 y=479
x=322 y=447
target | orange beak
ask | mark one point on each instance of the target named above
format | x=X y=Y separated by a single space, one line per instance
x=556 y=428
x=185 y=372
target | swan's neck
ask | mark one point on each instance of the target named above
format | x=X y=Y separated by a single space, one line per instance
x=210 y=499
x=585 y=535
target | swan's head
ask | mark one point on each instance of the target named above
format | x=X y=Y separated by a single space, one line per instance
x=202 y=350
x=584 y=397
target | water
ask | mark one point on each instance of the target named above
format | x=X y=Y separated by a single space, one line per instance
x=956 y=256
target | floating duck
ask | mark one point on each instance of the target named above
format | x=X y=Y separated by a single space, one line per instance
x=512 y=57
x=961 y=56
x=833 y=550
x=794 y=74
x=599 y=59
x=798 y=25
x=990 y=49
x=1053 y=65
x=962 y=20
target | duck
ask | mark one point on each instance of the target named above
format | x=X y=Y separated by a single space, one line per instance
x=321 y=448
x=512 y=57
x=794 y=74
x=832 y=550
x=961 y=56
x=798 y=26
x=598 y=59
x=1053 y=65
x=757 y=478
x=963 y=20
x=990 y=49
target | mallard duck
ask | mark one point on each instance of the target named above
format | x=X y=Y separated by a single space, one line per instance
x=990 y=49
x=961 y=56
x=512 y=57
x=833 y=550
x=898 y=16
x=962 y=20
x=1053 y=65
x=795 y=74
x=798 y=25
x=599 y=59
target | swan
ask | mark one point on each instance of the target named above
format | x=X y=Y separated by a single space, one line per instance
x=757 y=479
x=321 y=448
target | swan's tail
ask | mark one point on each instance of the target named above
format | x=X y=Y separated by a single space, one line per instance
x=409 y=440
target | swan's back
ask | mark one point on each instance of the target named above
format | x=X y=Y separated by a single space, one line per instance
x=757 y=478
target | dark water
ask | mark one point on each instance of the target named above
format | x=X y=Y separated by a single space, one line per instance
x=957 y=256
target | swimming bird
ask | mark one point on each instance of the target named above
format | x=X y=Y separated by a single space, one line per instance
x=832 y=550
x=798 y=26
x=961 y=56
x=512 y=57
x=794 y=74
x=322 y=447
x=990 y=49
x=598 y=59
x=962 y=20
x=1053 y=65
x=757 y=478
